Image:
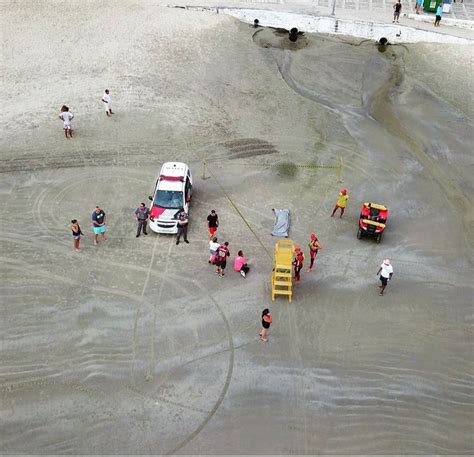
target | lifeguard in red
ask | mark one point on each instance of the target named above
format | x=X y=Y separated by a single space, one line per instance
x=314 y=246
x=341 y=202
x=298 y=263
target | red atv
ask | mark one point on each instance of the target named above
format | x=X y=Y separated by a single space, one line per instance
x=372 y=220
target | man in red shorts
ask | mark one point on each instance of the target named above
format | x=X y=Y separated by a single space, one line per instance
x=212 y=223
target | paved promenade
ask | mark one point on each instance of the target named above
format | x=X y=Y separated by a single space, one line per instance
x=456 y=23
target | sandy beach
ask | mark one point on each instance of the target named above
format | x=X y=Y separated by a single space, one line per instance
x=135 y=346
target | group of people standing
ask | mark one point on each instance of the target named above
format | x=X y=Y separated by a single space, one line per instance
x=219 y=252
x=66 y=116
x=397 y=9
x=298 y=261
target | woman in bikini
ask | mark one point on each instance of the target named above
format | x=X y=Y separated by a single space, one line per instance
x=266 y=322
x=76 y=234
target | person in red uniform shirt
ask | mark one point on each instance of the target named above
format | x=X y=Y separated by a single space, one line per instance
x=298 y=263
x=314 y=246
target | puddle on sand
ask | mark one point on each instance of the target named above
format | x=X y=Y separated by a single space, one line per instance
x=376 y=95
x=279 y=38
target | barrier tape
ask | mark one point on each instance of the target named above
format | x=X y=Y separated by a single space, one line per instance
x=204 y=163
x=339 y=167
x=240 y=214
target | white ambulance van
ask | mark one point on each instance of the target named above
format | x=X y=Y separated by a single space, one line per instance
x=173 y=191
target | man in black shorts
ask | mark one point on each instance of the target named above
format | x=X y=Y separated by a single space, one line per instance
x=221 y=258
x=397 y=9
x=386 y=273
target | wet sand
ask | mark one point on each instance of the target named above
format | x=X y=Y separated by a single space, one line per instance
x=136 y=346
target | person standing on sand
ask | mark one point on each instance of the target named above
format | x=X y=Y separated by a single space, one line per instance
x=386 y=273
x=212 y=223
x=298 y=263
x=439 y=14
x=107 y=101
x=314 y=246
x=98 y=224
x=182 y=225
x=341 y=202
x=141 y=215
x=266 y=322
x=221 y=258
x=66 y=117
x=76 y=234
x=397 y=9
x=213 y=246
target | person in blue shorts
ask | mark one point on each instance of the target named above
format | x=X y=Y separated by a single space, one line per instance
x=98 y=224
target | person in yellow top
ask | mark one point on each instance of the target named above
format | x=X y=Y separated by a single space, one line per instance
x=341 y=202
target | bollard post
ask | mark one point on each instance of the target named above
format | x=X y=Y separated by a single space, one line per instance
x=204 y=169
x=341 y=170
x=293 y=34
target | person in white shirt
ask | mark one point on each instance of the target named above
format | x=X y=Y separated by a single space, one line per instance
x=66 y=117
x=107 y=101
x=386 y=273
x=213 y=246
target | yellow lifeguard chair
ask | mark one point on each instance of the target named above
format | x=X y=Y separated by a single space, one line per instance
x=282 y=277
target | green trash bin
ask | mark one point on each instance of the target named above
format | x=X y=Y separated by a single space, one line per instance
x=430 y=5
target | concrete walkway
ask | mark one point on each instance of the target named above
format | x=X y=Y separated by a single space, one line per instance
x=379 y=11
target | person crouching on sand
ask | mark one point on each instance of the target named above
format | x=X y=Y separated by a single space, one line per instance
x=240 y=264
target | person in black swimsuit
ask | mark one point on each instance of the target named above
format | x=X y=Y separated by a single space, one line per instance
x=76 y=234
x=266 y=322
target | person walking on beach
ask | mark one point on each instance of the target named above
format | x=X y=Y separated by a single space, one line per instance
x=107 y=101
x=314 y=246
x=298 y=263
x=221 y=258
x=76 y=234
x=240 y=264
x=183 y=220
x=141 y=215
x=98 y=224
x=397 y=9
x=439 y=14
x=266 y=322
x=66 y=117
x=212 y=223
x=213 y=246
x=386 y=273
x=341 y=202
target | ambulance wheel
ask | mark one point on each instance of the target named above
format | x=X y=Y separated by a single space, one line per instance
x=359 y=233
x=379 y=238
